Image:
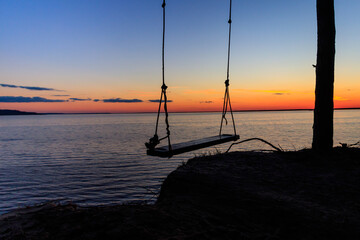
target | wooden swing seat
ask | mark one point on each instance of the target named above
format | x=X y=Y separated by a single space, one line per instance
x=189 y=146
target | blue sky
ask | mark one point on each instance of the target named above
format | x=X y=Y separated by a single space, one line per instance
x=112 y=49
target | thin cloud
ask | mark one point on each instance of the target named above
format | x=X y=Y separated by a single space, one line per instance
x=206 y=102
x=20 y=99
x=278 y=93
x=79 y=99
x=118 y=100
x=28 y=87
x=60 y=95
x=8 y=85
x=158 y=100
x=338 y=98
x=38 y=88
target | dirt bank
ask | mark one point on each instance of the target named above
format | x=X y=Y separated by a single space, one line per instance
x=240 y=195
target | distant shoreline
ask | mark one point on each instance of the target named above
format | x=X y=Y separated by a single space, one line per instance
x=5 y=112
x=8 y=112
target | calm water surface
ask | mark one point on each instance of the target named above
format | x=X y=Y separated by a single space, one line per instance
x=100 y=159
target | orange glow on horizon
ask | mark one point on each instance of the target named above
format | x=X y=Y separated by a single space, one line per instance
x=262 y=102
x=186 y=100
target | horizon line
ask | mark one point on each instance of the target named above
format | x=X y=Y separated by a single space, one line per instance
x=251 y=110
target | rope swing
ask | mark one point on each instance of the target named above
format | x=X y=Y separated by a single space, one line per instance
x=170 y=150
x=227 y=83
x=155 y=139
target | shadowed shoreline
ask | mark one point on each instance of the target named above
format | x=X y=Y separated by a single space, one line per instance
x=240 y=195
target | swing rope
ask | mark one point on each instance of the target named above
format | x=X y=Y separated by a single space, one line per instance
x=163 y=97
x=227 y=102
x=155 y=139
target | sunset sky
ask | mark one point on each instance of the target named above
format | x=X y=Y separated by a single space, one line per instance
x=105 y=55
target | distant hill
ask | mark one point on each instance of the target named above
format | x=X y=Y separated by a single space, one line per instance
x=15 y=112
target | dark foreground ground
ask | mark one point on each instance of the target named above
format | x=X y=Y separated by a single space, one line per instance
x=240 y=195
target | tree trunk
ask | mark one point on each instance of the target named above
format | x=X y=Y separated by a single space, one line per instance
x=324 y=91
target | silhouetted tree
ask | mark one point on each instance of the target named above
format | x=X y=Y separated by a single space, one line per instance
x=324 y=92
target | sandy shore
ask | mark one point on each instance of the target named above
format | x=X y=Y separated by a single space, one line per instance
x=240 y=195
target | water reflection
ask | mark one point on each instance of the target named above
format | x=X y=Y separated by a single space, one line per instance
x=100 y=159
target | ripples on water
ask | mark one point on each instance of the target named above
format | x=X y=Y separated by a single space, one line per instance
x=100 y=159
